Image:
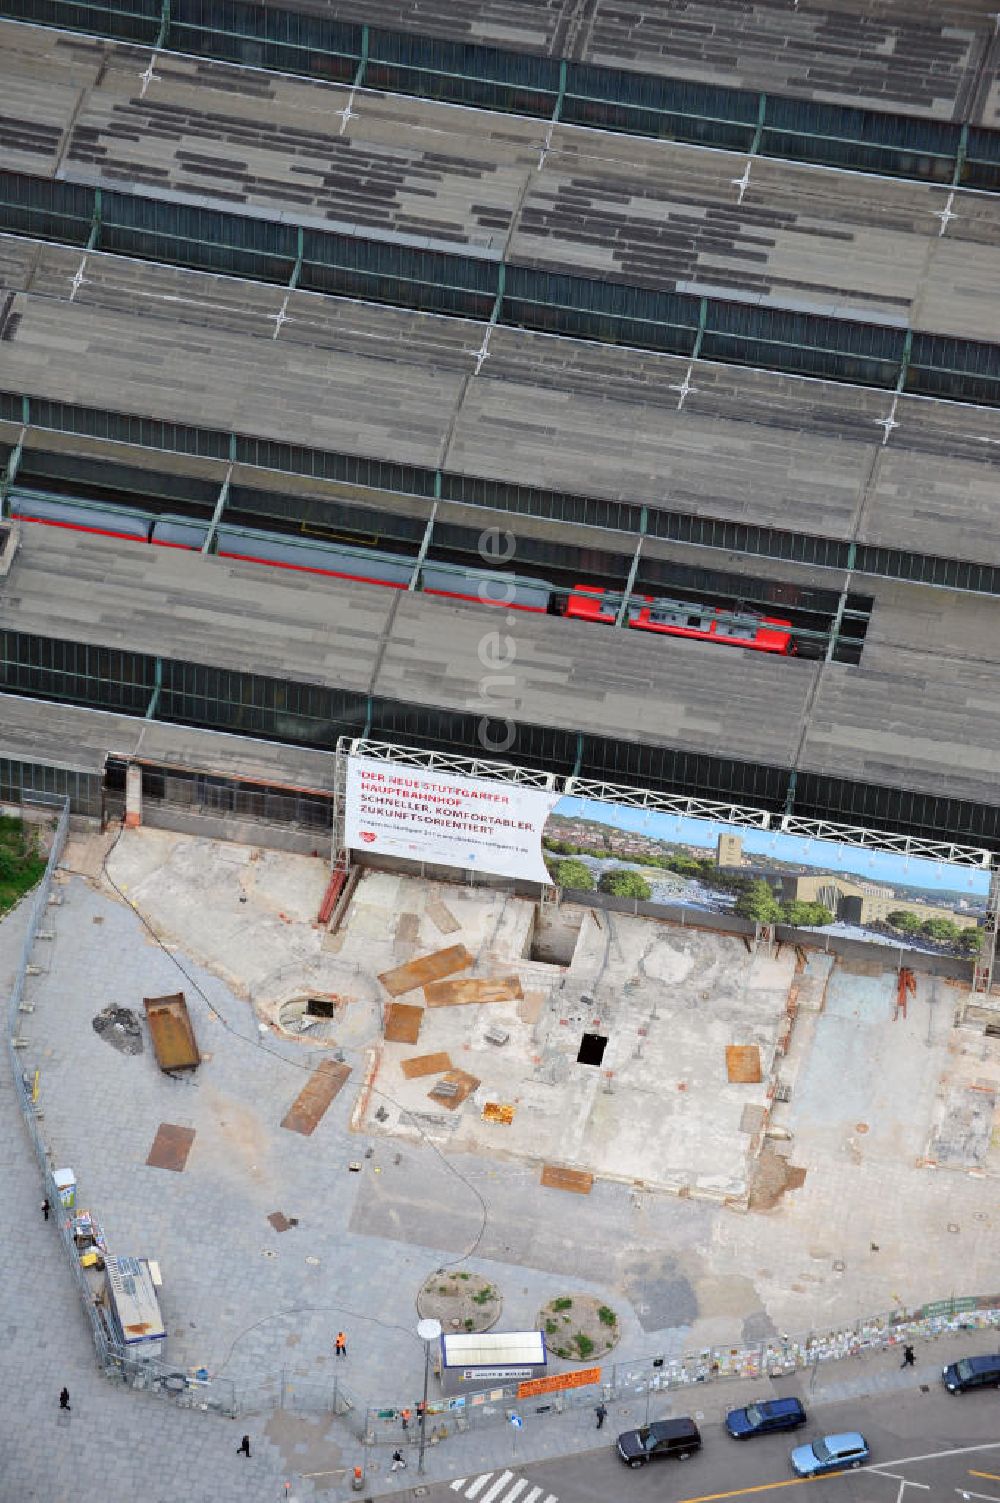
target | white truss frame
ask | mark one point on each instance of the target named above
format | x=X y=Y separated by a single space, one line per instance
x=908 y=846
x=451 y=762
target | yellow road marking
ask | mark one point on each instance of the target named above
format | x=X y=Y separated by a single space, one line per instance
x=761 y=1487
x=991 y=1475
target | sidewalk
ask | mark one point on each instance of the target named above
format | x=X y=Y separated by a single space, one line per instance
x=549 y=1436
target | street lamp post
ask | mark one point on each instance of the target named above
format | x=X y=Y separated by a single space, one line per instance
x=428 y=1331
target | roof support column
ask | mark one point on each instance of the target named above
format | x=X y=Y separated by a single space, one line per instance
x=425 y=544
x=95 y=223
x=960 y=155
x=831 y=646
x=758 y=133
x=363 y=60
x=154 y=698
x=208 y=546
x=10 y=474
x=633 y=569
x=163 y=34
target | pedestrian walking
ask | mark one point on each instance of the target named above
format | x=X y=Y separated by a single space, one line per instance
x=908 y=1358
x=602 y=1414
x=340 y=1345
x=64 y=1399
x=46 y=1208
x=243 y=1449
x=397 y=1461
x=405 y=1418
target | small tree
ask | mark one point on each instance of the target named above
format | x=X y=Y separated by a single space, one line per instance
x=903 y=920
x=621 y=883
x=805 y=915
x=941 y=929
x=758 y=903
x=970 y=941
x=575 y=875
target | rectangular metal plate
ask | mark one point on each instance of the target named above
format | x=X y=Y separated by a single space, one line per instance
x=171 y=1147
x=406 y=978
x=743 y=1064
x=557 y=1178
x=426 y=1064
x=402 y=1023
x=311 y=1103
x=472 y=989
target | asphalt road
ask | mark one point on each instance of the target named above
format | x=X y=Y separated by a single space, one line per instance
x=926 y=1445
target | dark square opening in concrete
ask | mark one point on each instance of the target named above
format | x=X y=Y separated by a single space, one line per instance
x=320 y=1007
x=592 y=1047
x=554 y=935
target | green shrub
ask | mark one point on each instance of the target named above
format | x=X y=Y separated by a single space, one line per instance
x=798 y=913
x=607 y=1316
x=622 y=883
x=562 y=1304
x=574 y=875
x=583 y=1344
x=758 y=903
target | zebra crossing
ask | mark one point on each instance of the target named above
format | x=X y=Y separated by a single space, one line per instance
x=500 y=1487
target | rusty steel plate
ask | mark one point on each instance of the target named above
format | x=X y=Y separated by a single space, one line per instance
x=171 y=1147
x=471 y=989
x=402 y=1023
x=426 y=1064
x=743 y=1064
x=558 y=1178
x=406 y=978
x=311 y=1103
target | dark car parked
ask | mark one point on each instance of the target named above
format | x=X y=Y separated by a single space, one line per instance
x=670 y=1437
x=763 y=1417
x=972 y=1372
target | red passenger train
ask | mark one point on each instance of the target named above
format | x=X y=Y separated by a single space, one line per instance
x=676 y=618
x=583 y=602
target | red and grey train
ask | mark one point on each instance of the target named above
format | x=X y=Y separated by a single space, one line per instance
x=582 y=602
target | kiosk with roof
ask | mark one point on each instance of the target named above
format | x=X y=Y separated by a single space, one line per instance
x=489 y=1359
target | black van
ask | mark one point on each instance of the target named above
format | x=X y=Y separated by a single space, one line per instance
x=669 y=1437
x=972 y=1372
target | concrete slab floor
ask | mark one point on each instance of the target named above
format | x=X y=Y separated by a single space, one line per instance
x=867 y=1227
x=659 y=1005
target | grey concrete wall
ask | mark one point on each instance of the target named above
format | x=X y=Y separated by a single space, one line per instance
x=239 y=831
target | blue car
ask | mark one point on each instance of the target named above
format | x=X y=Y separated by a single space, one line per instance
x=833 y=1453
x=764 y=1417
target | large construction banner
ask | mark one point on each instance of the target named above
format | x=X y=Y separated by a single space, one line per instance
x=665 y=858
x=424 y=815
